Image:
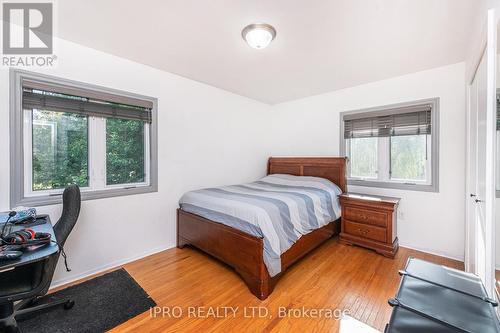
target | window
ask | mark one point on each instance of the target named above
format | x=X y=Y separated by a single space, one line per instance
x=125 y=164
x=393 y=146
x=408 y=158
x=59 y=149
x=363 y=154
x=70 y=133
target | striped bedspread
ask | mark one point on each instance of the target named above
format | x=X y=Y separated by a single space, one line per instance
x=280 y=208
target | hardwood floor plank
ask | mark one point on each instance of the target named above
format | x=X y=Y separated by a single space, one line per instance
x=334 y=277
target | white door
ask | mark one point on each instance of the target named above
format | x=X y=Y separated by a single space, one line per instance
x=471 y=255
x=477 y=162
x=481 y=153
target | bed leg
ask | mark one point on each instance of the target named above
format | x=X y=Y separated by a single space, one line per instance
x=181 y=242
x=261 y=288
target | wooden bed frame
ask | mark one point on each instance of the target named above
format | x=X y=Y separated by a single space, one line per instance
x=244 y=252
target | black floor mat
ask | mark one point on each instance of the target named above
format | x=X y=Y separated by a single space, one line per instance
x=100 y=304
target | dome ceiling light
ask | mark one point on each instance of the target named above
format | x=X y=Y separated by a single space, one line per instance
x=258 y=35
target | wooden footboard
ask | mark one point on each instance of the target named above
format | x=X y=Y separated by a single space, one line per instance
x=242 y=251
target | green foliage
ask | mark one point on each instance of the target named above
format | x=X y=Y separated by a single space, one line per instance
x=408 y=157
x=60 y=149
x=364 y=157
x=124 y=151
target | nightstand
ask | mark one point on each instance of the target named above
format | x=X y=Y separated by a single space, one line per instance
x=370 y=221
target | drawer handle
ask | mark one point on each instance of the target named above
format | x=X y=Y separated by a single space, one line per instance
x=364 y=217
x=363 y=231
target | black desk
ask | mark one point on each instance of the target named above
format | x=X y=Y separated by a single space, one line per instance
x=34 y=253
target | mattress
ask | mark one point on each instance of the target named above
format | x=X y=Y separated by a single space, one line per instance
x=279 y=208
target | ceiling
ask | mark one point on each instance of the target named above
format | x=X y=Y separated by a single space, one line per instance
x=321 y=45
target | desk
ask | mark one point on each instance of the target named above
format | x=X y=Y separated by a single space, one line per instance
x=35 y=253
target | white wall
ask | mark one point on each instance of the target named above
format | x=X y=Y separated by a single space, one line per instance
x=209 y=137
x=206 y=137
x=432 y=222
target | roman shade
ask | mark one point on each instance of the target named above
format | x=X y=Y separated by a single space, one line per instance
x=90 y=103
x=413 y=120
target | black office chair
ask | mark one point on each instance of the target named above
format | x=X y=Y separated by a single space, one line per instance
x=29 y=282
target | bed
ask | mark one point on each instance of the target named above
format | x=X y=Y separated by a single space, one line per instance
x=248 y=251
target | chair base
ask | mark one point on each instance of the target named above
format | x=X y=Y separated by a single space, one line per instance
x=9 y=314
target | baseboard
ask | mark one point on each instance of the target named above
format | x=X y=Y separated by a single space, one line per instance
x=121 y=262
x=106 y=267
x=440 y=254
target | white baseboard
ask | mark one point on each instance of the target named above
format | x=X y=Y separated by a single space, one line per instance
x=121 y=262
x=106 y=267
x=441 y=254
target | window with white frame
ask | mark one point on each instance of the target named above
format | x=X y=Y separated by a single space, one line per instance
x=70 y=133
x=393 y=146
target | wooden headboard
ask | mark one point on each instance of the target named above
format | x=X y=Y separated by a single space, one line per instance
x=331 y=168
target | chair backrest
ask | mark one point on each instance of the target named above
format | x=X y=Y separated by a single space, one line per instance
x=62 y=229
x=71 y=210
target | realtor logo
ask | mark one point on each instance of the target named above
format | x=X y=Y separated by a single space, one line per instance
x=27 y=28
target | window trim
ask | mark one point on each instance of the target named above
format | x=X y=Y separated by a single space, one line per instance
x=434 y=182
x=17 y=177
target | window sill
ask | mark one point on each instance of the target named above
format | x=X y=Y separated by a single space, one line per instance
x=54 y=199
x=394 y=185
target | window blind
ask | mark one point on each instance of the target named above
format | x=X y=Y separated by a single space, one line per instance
x=35 y=98
x=397 y=122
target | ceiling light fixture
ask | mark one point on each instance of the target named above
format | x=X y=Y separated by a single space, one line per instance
x=258 y=35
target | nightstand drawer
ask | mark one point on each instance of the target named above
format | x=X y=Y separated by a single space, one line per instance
x=365 y=216
x=365 y=231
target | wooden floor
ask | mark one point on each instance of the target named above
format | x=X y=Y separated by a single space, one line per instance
x=332 y=277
